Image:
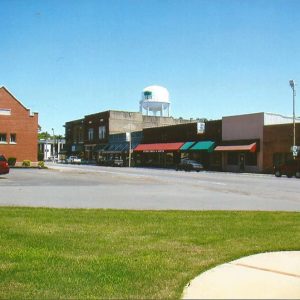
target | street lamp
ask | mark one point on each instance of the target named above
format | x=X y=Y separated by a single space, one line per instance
x=293 y=84
x=53 y=144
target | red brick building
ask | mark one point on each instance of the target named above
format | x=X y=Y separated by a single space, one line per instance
x=18 y=129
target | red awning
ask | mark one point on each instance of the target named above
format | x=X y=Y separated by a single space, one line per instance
x=162 y=147
x=250 y=148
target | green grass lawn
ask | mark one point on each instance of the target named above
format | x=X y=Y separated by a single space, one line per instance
x=60 y=253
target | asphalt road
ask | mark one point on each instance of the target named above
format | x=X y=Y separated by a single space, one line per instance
x=136 y=188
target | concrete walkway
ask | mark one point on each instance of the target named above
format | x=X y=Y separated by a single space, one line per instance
x=274 y=275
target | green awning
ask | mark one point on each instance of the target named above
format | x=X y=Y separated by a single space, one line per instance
x=205 y=145
x=186 y=146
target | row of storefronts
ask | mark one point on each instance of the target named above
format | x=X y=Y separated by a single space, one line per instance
x=245 y=143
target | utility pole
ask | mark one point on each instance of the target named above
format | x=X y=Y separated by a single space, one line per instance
x=53 y=145
x=293 y=84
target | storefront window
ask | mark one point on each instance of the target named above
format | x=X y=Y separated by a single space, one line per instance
x=251 y=159
x=216 y=159
x=232 y=158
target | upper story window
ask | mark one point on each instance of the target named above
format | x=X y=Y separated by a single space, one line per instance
x=3 y=138
x=102 y=132
x=13 y=138
x=91 y=134
x=80 y=135
x=5 y=112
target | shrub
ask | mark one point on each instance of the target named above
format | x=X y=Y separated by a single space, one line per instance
x=26 y=163
x=41 y=164
x=40 y=156
x=11 y=161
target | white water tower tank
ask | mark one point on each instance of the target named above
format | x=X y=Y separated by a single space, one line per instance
x=155 y=99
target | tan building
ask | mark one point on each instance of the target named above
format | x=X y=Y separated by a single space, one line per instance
x=249 y=142
x=18 y=129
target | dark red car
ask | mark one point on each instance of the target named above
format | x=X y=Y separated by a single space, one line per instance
x=4 y=168
x=290 y=168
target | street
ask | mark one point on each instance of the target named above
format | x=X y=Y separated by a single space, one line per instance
x=72 y=186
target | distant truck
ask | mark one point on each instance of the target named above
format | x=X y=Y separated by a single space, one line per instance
x=290 y=168
x=74 y=160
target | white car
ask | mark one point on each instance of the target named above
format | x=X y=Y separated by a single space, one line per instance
x=73 y=160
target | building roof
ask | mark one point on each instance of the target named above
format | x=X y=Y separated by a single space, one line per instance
x=8 y=92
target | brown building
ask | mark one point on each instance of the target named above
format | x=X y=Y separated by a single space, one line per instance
x=18 y=129
x=244 y=143
x=89 y=135
x=165 y=146
x=278 y=140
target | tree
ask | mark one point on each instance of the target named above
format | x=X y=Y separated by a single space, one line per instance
x=44 y=135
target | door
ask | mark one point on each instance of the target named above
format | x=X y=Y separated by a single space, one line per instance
x=242 y=162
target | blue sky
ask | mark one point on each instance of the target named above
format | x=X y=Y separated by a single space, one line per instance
x=66 y=59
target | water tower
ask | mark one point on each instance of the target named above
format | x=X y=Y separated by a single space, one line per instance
x=155 y=99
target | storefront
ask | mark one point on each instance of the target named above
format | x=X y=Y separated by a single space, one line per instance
x=118 y=147
x=238 y=157
x=165 y=155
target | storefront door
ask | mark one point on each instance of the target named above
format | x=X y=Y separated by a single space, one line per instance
x=242 y=162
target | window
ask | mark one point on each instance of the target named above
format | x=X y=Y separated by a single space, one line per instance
x=251 y=159
x=13 y=138
x=91 y=134
x=232 y=158
x=5 y=112
x=2 y=138
x=147 y=95
x=80 y=135
x=102 y=132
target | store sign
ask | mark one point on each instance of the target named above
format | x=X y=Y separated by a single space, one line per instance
x=295 y=150
x=200 y=127
x=128 y=136
x=153 y=151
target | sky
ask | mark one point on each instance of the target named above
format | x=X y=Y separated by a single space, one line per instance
x=67 y=59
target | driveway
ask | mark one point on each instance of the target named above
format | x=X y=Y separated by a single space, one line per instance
x=67 y=186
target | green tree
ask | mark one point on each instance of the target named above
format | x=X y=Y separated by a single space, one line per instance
x=44 y=135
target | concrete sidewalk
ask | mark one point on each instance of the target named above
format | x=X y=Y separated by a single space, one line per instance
x=274 y=275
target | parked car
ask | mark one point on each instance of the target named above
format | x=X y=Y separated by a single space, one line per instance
x=4 y=168
x=189 y=165
x=73 y=160
x=112 y=162
x=290 y=168
x=115 y=162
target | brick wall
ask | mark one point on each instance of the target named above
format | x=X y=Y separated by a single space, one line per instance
x=20 y=122
x=278 y=139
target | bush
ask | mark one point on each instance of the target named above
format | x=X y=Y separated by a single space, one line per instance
x=41 y=164
x=40 y=156
x=11 y=161
x=26 y=163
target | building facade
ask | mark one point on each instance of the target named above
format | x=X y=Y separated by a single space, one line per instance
x=51 y=149
x=250 y=141
x=18 y=129
x=245 y=143
x=242 y=143
x=166 y=146
x=88 y=136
